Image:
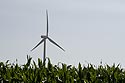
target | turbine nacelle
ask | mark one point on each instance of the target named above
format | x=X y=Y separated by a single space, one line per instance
x=43 y=36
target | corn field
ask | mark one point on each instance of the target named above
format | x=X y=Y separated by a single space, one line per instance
x=32 y=72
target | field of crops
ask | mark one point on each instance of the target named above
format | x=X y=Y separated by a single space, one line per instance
x=32 y=72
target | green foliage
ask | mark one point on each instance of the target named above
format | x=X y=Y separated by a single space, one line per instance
x=32 y=72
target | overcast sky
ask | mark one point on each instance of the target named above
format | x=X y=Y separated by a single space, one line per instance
x=89 y=30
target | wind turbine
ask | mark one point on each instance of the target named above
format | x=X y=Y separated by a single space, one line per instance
x=44 y=38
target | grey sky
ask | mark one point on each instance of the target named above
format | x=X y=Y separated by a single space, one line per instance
x=89 y=30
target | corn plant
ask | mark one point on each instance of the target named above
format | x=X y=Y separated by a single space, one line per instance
x=32 y=72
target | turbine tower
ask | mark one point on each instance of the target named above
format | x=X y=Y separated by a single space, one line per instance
x=44 y=38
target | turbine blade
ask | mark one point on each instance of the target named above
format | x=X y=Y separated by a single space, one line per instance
x=55 y=44
x=47 y=25
x=38 y=44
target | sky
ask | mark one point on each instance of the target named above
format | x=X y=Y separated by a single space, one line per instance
x=90 y=31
